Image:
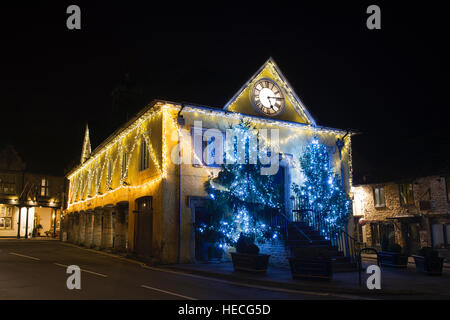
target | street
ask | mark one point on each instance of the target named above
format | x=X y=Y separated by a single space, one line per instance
x=36 y=269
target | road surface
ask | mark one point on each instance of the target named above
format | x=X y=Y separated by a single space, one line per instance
x=36 y=269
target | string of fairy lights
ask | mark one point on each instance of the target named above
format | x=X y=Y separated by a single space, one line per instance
x=89 y=175
x=105 y=156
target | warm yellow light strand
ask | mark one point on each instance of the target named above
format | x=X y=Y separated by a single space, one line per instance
x=161 y=172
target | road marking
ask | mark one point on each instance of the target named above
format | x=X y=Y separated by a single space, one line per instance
x=168 y=292
x=24 y=256
x=143 y=265
x=96 y=273
x=347 y=296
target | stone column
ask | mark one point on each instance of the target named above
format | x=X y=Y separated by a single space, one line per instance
x=97 y=229
x=63 y=227
x=70 y=227
x=107 y=228
x=120 y=226
x=82 y=227
x=427 y=241
x=89 y=229
x=76 y=228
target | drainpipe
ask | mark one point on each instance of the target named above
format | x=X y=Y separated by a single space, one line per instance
x=340 y=143
x=180 y=121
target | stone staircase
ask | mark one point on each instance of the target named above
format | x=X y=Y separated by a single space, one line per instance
x=296 y=242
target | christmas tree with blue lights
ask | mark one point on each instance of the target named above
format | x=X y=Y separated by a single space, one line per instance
x=244 y=200
x=322 y=193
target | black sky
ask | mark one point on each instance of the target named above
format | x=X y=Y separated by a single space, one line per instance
x=391 y=84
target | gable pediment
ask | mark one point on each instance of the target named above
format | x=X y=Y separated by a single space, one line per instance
x=268 y=94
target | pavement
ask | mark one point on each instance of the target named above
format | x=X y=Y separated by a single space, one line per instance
x=36 y=269
x=395 y=283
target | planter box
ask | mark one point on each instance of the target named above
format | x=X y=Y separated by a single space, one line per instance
x=393 y=259
x=312 y=268
x=432 y=265
x=250 y=262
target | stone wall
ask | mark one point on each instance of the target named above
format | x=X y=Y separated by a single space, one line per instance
x=432 y=189
x=279 y=253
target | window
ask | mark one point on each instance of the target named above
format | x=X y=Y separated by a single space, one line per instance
x=99 y=180
x=379 y=197
x=447 y=183
x=44 y=187
x=89 y=186
x=387 y=235
x=383 y=235
x=7 y=184
x=109 y=172
x=375 y=233
x=213 y=151
x=6 y=217
x=406 y=194
x=124 y=165
x=143 y=163
x=208 y=145
x=440 y=235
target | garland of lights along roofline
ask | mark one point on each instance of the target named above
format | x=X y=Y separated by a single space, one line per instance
x=315 y=130
x=138 y=136
x=110 y=191
x=162 y=172
x=150 y=182
x=197 y=111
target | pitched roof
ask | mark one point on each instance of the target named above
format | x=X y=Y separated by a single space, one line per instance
x=291 y=95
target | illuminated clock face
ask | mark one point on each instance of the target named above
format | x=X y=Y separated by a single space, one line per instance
x=267 y=97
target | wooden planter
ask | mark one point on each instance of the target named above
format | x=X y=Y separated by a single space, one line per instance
x=250 y=262
x=312 y=268
x=431 y=265
x=393 y=259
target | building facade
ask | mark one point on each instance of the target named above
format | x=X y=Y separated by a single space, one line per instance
x=30 y=203
x=413 y=213
x=131 y=194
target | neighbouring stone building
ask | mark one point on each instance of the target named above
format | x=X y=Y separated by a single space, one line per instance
x=129 y=195
x=30 y=203
x=413 y=213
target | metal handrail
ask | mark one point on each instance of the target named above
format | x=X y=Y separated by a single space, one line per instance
x=354 y=241
x=297 y=228
x=338 y=237
x=359 y=261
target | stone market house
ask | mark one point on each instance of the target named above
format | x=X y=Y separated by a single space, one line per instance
x=28 y=199
x=413 y=213
x=128 y=195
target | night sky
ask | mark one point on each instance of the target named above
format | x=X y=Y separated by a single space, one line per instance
x=390 y=84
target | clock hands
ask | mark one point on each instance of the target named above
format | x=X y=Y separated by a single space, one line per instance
x=272 y=106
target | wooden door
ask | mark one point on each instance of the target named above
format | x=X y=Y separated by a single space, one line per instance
x=143 y=227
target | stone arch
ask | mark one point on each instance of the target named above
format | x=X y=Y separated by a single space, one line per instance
x=107 y=227
x=120 y=226
x=97 y=227
x=82 y=227
x=89 y=228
